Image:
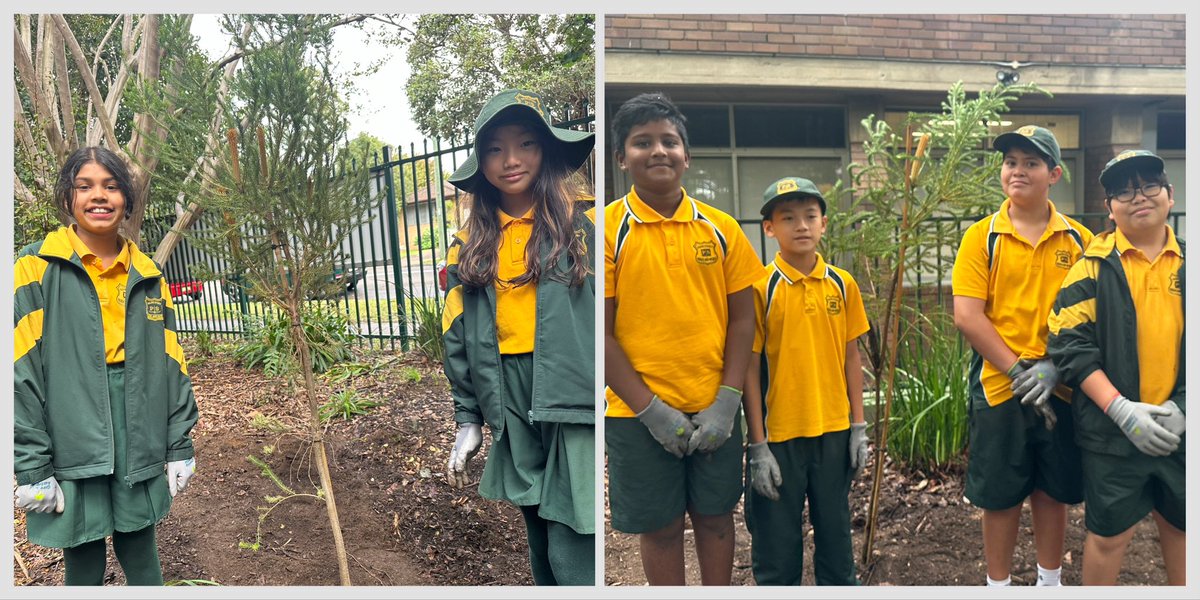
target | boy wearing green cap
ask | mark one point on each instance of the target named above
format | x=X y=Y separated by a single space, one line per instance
x=519 y=331
x=1008 y=269
x=1116 y=335
x=803 y=400
x=678 y=323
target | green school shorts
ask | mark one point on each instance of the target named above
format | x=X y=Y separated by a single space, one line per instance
x=816 y=470
x=1011 y=454
x=550 y=465
x=97 y=506
x=648 y=487
x=1121 y=490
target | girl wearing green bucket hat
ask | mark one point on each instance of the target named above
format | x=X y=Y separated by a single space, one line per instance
x=518 y=326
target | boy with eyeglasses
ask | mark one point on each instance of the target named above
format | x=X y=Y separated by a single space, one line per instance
x=1116 y=336
x=1008 y=269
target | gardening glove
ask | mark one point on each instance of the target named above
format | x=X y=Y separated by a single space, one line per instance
x=1174 y=421
x=714 y=424
x=43 y=496
x=1016 y=369
x=764 y=471
x=859 y=451
x=667 y=425
x=1137 y=420
x=1035 y=385
x=466 y=446
x=179 y=473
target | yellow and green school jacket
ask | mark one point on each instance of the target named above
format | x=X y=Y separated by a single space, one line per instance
x=62 y=423
x=1018 y=281
x=564 y=350
x=1122 y=314
x=803 y=324
x=670 y=279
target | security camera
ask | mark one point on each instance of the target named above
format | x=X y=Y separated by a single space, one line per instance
x=1007 y=76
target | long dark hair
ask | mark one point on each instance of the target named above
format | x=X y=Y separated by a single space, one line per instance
x=64 y=188
x=556 y=200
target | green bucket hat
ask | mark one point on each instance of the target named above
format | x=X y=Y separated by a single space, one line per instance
x=576 y=144
x=1030 y=135
x=787 y=188
x=1129 y=159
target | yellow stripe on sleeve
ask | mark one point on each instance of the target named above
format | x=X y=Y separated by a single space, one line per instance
x=453 y=308
x=27 y=334
x=1073 y=316
x=174 y=350
x=1084 y=269
x=27 y=270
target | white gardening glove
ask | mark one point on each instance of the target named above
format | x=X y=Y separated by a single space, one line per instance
x=43 y=496
x=466 y=445
x=179 y=473
x=1035 y=385
x=714 y=424
x=1175 y=421
x=669 y=427
x=765 y=476
x=859 y=450
x=1137 y=420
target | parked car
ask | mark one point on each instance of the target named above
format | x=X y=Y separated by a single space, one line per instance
x=193 y=289
x=347 y=279
x=442 y=274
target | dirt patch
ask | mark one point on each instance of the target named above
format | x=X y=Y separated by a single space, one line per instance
x=927 y=535
x=403 y=525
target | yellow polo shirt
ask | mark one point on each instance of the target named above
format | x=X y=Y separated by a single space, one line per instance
x=516 y=306
x=803 y=324
x=670 y=279
x=1156 y=294
x=110 y=288
x=1018 y=281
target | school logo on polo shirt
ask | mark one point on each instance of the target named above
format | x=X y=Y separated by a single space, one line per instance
x=1062 y=259
x=120 y=294
x=1173 y=286
x=154 y=309
x=706 y=252
x=833 y=304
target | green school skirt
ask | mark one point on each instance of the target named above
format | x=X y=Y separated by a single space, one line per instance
x=97 y=506
x=548 y=465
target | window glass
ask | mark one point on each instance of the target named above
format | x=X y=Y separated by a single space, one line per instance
x=789 y=127
x=707 y=126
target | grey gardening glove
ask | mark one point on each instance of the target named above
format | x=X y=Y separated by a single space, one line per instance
x=43 y=496
x=859 y=451
x=1035 y=385
x=1137 y=420
x=1175 y=421
x=714 y=424
x=179 y=473
x=765 y=476
x=466 y=445
x=1016 y=369
x=667 y=425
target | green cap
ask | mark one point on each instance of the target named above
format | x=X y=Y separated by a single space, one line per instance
x=576 y=144
x=787 y=188
x=1129 y=160
x=1040 y=138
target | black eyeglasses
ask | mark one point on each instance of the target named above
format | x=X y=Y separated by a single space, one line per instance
x=1148 y=190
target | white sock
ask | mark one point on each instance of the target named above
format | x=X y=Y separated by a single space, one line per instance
x=1003 y=582
x=1049 y=576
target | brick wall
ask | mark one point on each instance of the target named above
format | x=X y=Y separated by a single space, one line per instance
x=1123 y=40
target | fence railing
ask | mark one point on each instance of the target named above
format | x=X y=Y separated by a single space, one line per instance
x=384 y=266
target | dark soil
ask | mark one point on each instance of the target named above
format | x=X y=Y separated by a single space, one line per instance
x=402 y=523
x=926 y=535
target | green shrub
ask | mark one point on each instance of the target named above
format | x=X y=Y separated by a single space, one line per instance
x=928 y=428
x=205 y=344
x=268 y=341
x=345 y=404
x=410 y=375
x=425 y=314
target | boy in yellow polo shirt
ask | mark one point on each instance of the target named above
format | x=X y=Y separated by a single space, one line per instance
x=1116 y=335
x=1008 y=269
x=804 y=409
x=678 y=324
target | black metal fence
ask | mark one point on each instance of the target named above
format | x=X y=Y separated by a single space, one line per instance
x=386 y=269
